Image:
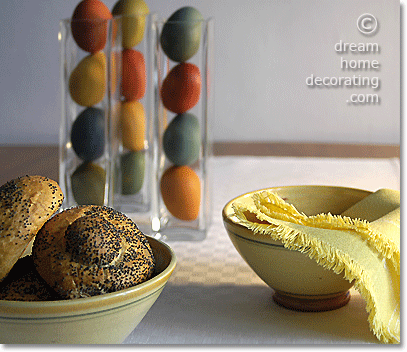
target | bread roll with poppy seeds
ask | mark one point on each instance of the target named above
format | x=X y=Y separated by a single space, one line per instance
x=23 y=283
x=91 y=250
x=26 y=203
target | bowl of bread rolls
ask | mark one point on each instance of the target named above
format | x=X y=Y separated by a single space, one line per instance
x=86 y=274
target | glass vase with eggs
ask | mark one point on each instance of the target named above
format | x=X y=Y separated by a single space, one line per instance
x=107 y=60
x=185 y=90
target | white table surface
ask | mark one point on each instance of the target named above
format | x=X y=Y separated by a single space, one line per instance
x=213 y=297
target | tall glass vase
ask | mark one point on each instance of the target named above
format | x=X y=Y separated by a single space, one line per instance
x=84 y=168
x=133 y=108
x=185 y=111
x=107 y=133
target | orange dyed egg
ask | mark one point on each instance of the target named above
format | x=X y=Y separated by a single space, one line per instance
x=181 y=192
x=133 y=75
x=181 y=88
x=89 y=25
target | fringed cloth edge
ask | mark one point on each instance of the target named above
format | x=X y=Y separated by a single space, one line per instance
x=279 y=215
x=275 y=207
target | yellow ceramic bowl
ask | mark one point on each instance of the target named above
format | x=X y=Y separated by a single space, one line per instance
x=104 y=319
x=298 y=282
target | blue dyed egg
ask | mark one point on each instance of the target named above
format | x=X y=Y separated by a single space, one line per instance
x=182 y=139
x=88 y=134
x=181 y=34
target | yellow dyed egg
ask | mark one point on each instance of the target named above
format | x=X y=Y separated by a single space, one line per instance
x=87 y=83
x=133 y=22
x=181 y=192
x=133 y=125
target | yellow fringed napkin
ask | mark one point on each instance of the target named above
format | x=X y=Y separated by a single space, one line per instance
x=363 y=243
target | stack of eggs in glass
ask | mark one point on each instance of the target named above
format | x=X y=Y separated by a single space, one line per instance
x=132 y=119
x=104 y=81
x=180 y=92
x=87 y=88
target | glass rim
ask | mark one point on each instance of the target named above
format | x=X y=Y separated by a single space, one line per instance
x=204 y=20
x=69 y=20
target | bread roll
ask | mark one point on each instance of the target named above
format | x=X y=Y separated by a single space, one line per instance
x=91 y=250
x=23 y=283
x=26 y=203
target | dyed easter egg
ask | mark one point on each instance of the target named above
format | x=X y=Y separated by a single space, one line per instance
x=87 y=82
x=133 y=20
x=88 y=184
x=89 y=25
x=134 y=77
x=133 y=125
x=181 y=89
x=181 y=192
x=88 y=134
x=181 y=34
x=182 y=139
x=132 y=166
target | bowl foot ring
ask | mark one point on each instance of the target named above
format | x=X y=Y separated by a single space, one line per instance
x=311 y=305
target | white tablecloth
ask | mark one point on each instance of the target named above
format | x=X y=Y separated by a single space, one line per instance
x=213 y=296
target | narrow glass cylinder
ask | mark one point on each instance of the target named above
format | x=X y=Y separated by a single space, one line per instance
x=133 y=111
x=185 y=111
x=107 y=130
x=84 y=167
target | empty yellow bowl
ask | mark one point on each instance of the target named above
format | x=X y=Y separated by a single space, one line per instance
x=298 y=282
x=104 y=319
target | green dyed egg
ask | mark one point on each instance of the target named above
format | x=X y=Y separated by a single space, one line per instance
x=181 y=34
x=88 y=184
x=182 y=139
x=133 y=165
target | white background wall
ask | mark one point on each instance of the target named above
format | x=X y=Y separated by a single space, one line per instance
x=265 y=50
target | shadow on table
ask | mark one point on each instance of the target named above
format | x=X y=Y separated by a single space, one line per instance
x=228 y=314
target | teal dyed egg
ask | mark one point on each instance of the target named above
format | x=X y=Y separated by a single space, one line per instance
x=88 y=184
x=133 y=165
x=181 y=34
x=182 y=139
